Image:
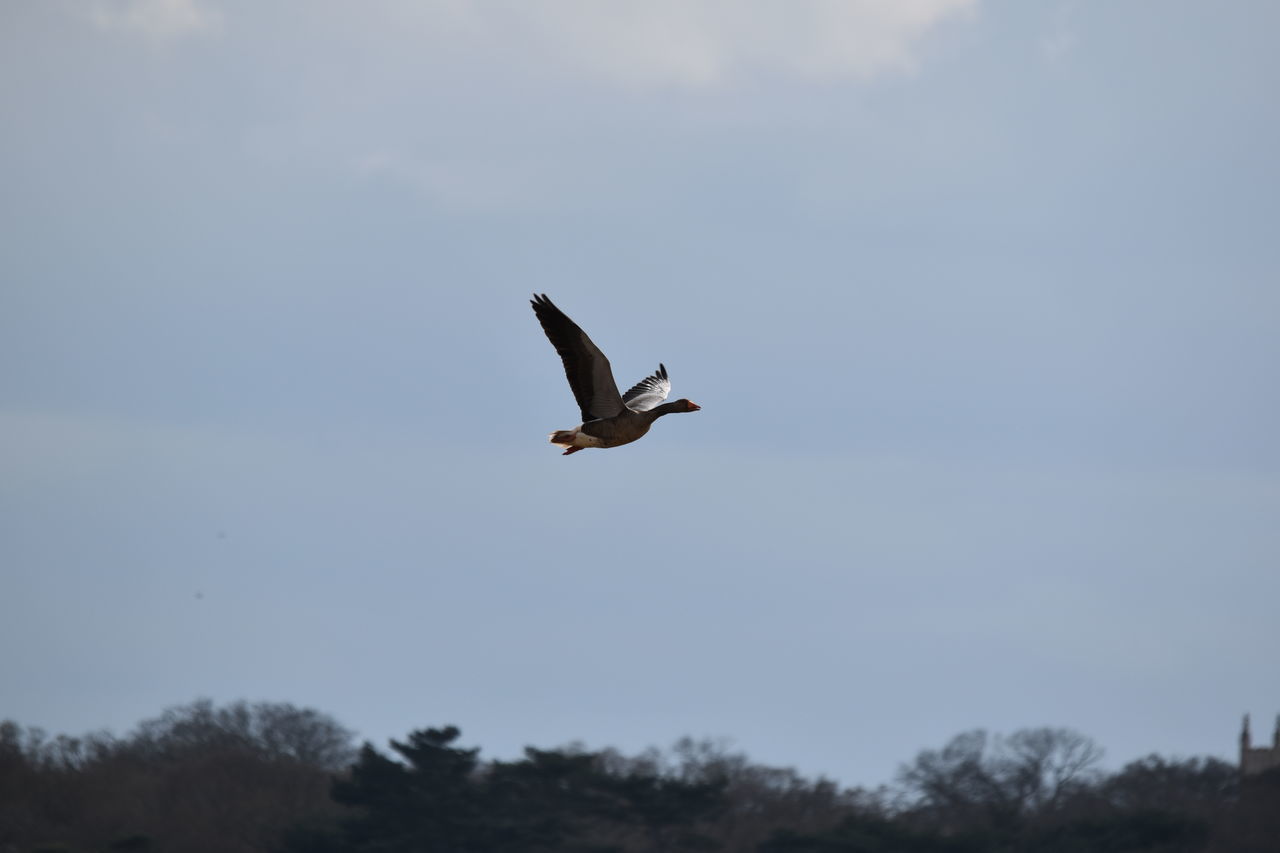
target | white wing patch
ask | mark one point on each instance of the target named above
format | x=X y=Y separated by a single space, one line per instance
x=648 y=392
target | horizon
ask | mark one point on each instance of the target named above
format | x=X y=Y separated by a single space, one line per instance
x=727 y=745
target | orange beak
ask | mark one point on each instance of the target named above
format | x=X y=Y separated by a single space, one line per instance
x=694 y=407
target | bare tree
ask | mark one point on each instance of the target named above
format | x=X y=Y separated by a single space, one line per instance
x=1043 y=766
x=980 y=780
x=268 y=729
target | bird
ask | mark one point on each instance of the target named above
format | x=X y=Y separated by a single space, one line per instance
x=609 y=419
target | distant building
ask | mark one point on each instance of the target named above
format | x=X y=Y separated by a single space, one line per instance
x=1255 y=760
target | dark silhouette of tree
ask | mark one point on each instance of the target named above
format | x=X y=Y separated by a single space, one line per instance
x=253 y=778
x=981 y=783
x=875 y=834
x=664 y=810
x=1132 y=832
x=756 y=799
x=435 y=796
x=269 y=730
x=1203 y=787
x=196 y=779
x=1143 y=831
x=428 y=801
x=1043 y=767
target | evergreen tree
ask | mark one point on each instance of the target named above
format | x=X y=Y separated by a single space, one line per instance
x=439 y=797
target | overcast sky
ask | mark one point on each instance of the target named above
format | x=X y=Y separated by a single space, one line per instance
x=979 y=298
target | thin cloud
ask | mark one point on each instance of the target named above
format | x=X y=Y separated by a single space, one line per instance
x=159 y=20
x=1058 y=44
x=709 y=43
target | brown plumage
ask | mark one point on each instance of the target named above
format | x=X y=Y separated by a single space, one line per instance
x=609 y=419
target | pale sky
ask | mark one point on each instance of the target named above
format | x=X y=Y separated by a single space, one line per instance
x=979 y=298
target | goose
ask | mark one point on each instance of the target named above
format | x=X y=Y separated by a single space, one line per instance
x=609 y=419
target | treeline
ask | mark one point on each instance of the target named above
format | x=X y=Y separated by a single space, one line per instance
x=272 y=777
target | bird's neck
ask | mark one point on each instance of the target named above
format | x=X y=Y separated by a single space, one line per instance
x=665 y=409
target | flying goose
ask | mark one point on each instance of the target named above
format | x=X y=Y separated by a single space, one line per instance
x=609 y=419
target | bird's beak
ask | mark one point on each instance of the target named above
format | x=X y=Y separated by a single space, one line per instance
x=694 y=407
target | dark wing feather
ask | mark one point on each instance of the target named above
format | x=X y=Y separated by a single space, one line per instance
x=648 y=392
x=588 y=371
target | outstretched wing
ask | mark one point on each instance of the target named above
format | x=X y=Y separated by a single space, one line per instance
x=588 y=371
x=648 y=392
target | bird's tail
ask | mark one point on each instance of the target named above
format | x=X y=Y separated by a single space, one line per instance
x=566 y=438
